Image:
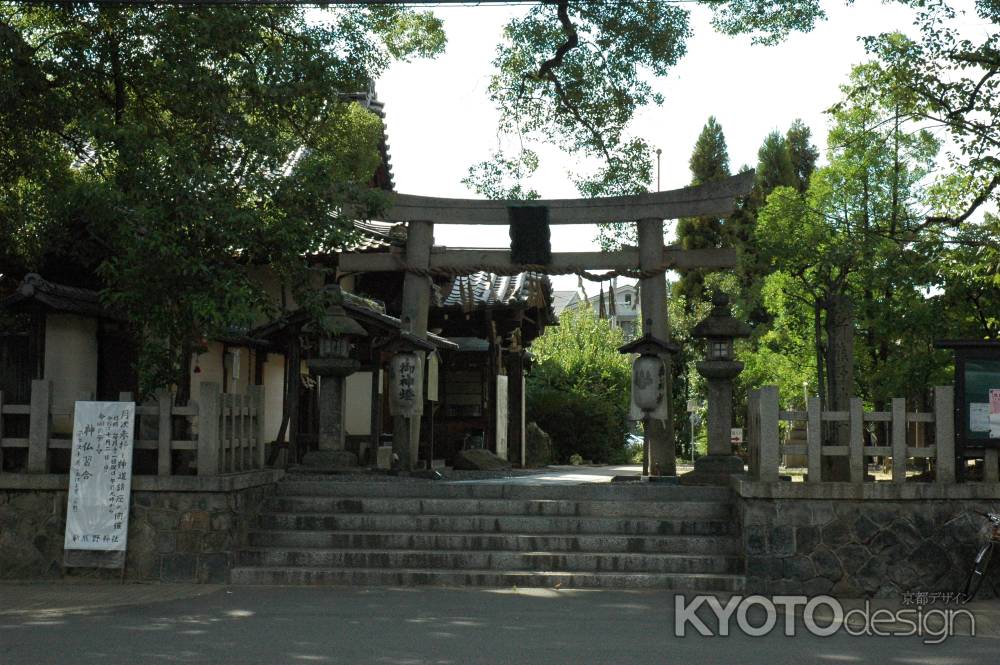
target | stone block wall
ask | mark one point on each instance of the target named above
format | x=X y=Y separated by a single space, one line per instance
x=181 y=529
x=874 y=542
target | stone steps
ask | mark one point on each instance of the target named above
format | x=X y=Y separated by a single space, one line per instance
x=495 y=524
x=318 y=530
x=519 y=542
x=280 y=557
x=483 y=578
x=705 y=510
x=320 y=486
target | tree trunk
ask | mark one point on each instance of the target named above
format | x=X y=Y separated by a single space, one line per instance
x=818 y=332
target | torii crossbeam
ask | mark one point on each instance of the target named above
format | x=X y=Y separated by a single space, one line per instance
x=651 y=259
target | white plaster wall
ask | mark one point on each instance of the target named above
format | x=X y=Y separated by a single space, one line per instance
x=210 y=364
x=359 y=404
x=70 y=362
x=274 y=383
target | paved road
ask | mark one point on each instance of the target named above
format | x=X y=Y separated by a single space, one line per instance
x=425 y=625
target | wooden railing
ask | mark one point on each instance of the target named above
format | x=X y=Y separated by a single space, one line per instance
x=766 y=448
x=224 y=432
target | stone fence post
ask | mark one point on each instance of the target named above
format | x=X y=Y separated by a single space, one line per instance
x=944 y=433
x=209 y=413
x=40 y=426
x=768 y=433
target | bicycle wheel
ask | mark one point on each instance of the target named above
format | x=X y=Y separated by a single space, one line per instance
x=978 y=571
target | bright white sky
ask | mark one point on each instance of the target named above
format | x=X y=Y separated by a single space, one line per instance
x=440 y=121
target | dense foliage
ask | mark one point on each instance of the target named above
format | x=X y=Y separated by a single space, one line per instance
x=578 y=390
x=159 y=152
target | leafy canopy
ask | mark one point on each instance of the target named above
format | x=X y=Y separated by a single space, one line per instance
x=169 y=150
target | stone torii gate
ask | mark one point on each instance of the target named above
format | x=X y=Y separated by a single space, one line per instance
x=648 y=262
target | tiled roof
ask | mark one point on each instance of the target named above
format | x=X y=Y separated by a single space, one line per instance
x=484 y=290
x=365 y=311
x=371 y=236
x=35 y=289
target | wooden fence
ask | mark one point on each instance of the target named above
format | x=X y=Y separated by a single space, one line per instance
x=766 y=448
x=224 y=431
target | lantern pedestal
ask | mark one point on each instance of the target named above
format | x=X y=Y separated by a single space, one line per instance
x=720 y=463
x=332 y=407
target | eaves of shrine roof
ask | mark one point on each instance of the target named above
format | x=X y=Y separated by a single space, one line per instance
x=486 y=290
x=36 y=292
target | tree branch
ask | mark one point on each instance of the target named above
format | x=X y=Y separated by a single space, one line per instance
x=980 y=199
x=546 y=73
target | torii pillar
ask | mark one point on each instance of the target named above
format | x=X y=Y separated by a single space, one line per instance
x=709 y=199
x=659 y=434
x=416 y=305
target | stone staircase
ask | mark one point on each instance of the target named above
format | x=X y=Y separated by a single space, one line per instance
x=317 y=530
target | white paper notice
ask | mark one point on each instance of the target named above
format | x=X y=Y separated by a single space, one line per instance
x=979 y=417
x=100 y=478
x=995 y=413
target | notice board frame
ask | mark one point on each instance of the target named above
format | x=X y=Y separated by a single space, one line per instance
x=975 y=352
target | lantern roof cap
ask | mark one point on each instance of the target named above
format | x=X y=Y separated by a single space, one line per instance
x=649 y=345
x=720 y=323
x=336 y=321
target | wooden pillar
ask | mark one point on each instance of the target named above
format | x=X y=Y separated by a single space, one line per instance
x=516 y=430
x=292 y=388
x=653 y=295
x=375 y=432
x=416 y=304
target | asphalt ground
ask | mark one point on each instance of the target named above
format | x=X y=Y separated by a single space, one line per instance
x=108 y=623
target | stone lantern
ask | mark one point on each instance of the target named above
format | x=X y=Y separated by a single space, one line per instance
x=336 y=332
x=720 y=367
x=649 y=374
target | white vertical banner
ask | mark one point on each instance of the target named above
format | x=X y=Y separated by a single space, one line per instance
x=100 y=477
x=502 y=418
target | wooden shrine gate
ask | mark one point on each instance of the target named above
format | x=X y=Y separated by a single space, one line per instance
x=648 y=262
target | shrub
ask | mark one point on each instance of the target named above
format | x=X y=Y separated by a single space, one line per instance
x=579 y=389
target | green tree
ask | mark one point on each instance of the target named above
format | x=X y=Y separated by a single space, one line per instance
x=579 y=388
x=802 y=153
x=852 y=247
x=954 y=81
x=574 y=73
x=709 y=162
x=954 y=76
x=167 y=150
x=782 y=161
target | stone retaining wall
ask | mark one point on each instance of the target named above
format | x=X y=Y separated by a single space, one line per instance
x=181 y=528
x=870 y=540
